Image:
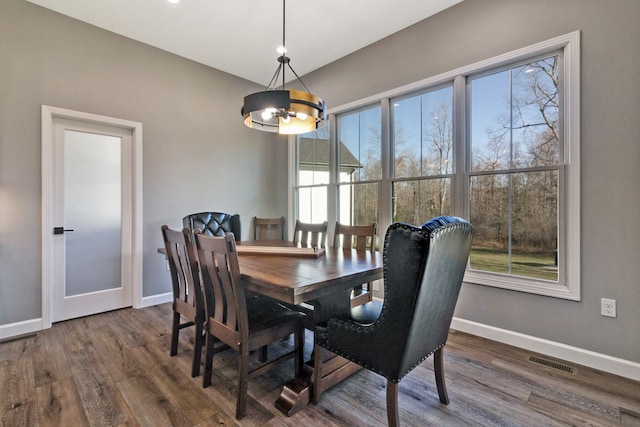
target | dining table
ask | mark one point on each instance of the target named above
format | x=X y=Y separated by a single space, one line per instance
x=321 y=278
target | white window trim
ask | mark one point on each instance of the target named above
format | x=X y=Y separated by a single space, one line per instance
x=568 y=286
x=569 y=253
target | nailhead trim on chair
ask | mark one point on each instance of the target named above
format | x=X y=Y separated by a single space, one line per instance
x=361 y=329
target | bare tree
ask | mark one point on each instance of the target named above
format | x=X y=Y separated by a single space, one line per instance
x=524 y=137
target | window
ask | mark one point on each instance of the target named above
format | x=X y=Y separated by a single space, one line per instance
x=423 y=155
x=360 y=166
x=496 y=142
x=313 y=176
x=514 y=146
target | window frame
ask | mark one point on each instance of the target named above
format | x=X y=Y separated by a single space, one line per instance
x=451 y=176
x=569 y=253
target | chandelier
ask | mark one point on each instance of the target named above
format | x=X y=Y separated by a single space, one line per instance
x=286 y=111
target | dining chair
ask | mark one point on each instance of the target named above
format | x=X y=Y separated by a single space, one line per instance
x=243 y=323
x=188 y=300
x=214 y=223
x=313 y=235
x=361 y=238
x=268 y=228
x=423 y=271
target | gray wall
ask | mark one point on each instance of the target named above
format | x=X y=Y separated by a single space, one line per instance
x=197 y=154
x=189 y=113
x=475 y=30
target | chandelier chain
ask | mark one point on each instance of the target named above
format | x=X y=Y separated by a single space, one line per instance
x=284 y=45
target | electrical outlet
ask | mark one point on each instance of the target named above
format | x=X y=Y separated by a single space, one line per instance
x=608 y=307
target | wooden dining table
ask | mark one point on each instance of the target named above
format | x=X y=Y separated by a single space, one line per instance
x=322 y=278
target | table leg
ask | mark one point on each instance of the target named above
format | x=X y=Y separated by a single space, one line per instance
x=297 y=393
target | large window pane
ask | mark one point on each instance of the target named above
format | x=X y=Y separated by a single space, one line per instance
x=423 y=134
x=313 y=157
x=415 y=202
x=359 y=139
x=313 y=175
x=514 y=117
x=515 y=220
x=312 y=204
x=359 y=203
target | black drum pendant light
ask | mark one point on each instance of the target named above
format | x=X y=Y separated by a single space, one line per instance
x=286 y=111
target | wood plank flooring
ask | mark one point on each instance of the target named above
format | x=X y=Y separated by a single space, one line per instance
x=114 y=369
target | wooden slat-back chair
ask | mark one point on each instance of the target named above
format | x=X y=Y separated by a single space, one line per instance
x=188 y=300
x=243 y=323
x=268 y=228
x=313 y=235
x=361 y=238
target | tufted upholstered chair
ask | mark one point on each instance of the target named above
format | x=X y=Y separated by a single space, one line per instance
x=214 y=223
x=423 y=271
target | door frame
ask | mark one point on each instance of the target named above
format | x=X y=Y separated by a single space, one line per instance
x=50 y=113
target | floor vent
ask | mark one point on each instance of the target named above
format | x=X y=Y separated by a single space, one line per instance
x=551 y=364
x=18 y=338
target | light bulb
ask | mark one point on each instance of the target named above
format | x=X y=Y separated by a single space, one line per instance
x=286 y=118
x=268 y=113
x=281 y=50
x=302 y=116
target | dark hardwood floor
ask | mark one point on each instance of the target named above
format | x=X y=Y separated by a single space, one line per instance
x=115 y=369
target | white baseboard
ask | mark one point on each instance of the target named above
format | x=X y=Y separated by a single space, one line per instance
x=157 y=299
x=20 y=328
x=34 y=325
x=591 y=359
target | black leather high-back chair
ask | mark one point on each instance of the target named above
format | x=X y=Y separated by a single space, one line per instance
x=423 y=271
x=214 y=223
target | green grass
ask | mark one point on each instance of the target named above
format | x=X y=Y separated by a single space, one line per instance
x=538 y=265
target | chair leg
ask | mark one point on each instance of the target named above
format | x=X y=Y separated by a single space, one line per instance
x=197 y=350
x=243 y=382
x=264 y=354
x=317 y=373
x=438 y=367
x=393 y=415
x=299 y=343
x=174 y=333
x=208 y=361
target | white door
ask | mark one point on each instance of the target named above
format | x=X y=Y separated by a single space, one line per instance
x=92 y=218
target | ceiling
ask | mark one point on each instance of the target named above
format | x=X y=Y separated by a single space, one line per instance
x=240 y=37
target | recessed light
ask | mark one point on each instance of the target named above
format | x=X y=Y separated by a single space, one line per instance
x=174 y=1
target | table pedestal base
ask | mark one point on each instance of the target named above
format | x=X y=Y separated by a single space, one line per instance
x=297 y=393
